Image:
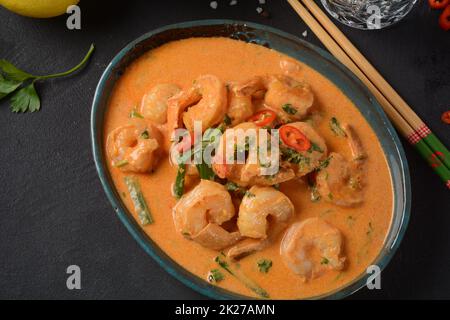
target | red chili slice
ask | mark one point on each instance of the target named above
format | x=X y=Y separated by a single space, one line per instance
x=446 y=117
x=294 y=138
x=444 y=18
x=438 y=4
x=263 y=118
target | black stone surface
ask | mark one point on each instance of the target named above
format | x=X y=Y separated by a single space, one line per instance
x=54 y=213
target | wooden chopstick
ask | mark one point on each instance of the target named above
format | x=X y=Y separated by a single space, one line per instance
x=400 y=123
x=375 y=77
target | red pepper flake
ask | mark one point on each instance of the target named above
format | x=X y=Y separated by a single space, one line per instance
x=263 y=118
x=444 y=19
x=446 y=117
x=438 y=4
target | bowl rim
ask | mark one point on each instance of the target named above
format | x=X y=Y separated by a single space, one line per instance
x=167 y=263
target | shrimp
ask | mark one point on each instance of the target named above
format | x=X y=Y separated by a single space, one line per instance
x=248 y=173
x=134 y=147
x=154 y=103
x=220 y=164
x=311 y=247
x=249 y=245
x=199 y=214
x=340 y=182
x=257 y=205
x=240 y=106
x=291 y=99
x=290 y=67
x=304 y=162
x=205 y=100
x=215 y=237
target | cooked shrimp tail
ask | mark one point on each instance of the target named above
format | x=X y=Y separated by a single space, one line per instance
x=355 y=144
x=199 y=214
x=258 y=204
x=311 y=247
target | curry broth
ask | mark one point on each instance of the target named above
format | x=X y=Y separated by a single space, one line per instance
x=364 y=228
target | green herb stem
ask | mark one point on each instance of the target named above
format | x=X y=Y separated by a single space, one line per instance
x=140 y=205
x=233 y=269
x=66 y=73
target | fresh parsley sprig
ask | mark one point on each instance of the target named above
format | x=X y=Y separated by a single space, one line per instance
x=21 y=84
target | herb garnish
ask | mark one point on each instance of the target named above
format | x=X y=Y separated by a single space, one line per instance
x=121 y=163
x=225 y=123
x=227 y=120
x=248 y=194
x=145 y=135
x=315 y=147
x=315 y=195
x=231 y=186
x=324 y=163
x=264 y=265
x=289 y=109
x=233 y=269
x=215 y=276
x=293 y=156
x=22 y=84
x=336 y=127
x=135 y=114
x=324 y=261
x=178 y=187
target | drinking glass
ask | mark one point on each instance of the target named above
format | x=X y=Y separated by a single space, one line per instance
x=368 y=14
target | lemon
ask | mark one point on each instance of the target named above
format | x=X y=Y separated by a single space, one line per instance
x=38 y=8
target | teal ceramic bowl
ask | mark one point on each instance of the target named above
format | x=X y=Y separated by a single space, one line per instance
x=294 y=47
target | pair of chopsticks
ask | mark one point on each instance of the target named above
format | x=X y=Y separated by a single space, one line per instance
x=403 y=117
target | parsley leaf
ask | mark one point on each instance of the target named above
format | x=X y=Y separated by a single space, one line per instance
x=14 y=73
x=289 y=109
x=26 y=99
x=336 y=127
x=292 y=156
x=215 y=276
x=248 y=194
x=135 y=114
x=315 y=195
x=315 y=147
x=233 y=187
x=227 y=120
x=21 y=83
x=178 y=187
x=7 y=86
x=324 y=163
x=264 y=265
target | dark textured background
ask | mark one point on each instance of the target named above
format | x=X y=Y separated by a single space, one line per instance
x=54 y=213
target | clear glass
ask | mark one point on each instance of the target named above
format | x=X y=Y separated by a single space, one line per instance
x=368 y=14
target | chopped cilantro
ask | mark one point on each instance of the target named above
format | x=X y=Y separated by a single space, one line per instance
x=215 y=276
x=289 y=109
x=264 y=265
